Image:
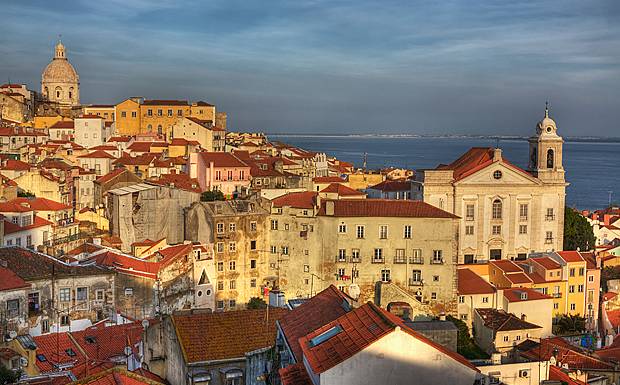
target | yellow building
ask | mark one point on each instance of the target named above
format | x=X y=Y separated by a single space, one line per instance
x=575 y=269
x=203 y=111
x=106 y=111
x=127 y=117
x=159 y=116
x=48 y=121
x=211 y=138
x=361 y=181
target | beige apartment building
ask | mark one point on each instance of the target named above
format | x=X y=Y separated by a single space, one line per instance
x=210 y=137
x=354 y=244
x=506 y=212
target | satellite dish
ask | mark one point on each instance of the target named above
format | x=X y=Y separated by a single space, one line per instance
x=128 y=350
x=12 y=334
x=354 y=290
x=23 y=361
x=145 y=323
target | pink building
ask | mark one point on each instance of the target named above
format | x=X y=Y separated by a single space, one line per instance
x=221 y=171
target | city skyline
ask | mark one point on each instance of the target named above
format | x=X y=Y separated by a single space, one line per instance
x=350 y=67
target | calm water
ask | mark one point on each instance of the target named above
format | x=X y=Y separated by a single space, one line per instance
x=592 y=168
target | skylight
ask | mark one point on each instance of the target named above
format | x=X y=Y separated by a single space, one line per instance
x=326 y=335
x=70 y=352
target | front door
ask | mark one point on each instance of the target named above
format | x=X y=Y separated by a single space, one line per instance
x=495 y=254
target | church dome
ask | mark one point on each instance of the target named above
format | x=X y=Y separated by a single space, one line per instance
x=546 y=125
x=60 y=70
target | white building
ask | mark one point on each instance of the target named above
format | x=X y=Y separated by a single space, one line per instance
x=91 y=131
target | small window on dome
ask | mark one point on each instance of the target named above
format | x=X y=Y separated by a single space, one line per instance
x=497 y=174
x=548 y=129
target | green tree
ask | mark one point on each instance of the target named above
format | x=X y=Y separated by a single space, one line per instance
x=465 y=344
x=570 y=324
x=256 y=303
x=8 y=376
x=210 y=196
x=578 y=233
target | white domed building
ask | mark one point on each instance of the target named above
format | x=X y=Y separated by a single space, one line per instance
x=60 y=82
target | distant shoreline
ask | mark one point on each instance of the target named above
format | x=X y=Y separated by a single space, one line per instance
x=572 y=139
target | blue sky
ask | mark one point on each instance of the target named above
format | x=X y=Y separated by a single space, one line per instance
x=478 y=67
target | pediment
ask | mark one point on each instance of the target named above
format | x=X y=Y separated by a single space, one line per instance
x=510 y=175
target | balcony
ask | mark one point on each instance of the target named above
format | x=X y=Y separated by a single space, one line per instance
x=400 y=259
x=341 y=259
x=437 y=261
x=548 y=241
x=356 y=259
x=376 y=259
x=416 y=260
x=550 y=218
x=416 y=282
x=58 y=241
x=557 y=295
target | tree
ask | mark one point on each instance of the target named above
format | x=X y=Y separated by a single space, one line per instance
x=210 y=196
x=570 y=324
x=578 y=233
x=465 y=344
x=256 y=303
x=25 y=194
x=8 y=376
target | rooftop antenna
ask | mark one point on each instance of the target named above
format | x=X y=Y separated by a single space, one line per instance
x=547 y=108
x=610 y=195
x=497 y=142
x=365 y=161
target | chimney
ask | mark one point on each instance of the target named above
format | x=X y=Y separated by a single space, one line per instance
x=496 y=358
x=442 y=316
x=497 y=155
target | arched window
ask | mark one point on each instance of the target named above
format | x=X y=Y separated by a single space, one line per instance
x=159 y=129
x=47 y=92
x=441 y=203
x=497 y=209
x=150 y=127
x=71 y=93
x=550 y=159
x=58 y=92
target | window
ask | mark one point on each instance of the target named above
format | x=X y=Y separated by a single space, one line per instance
x=342 y=255
x=469 y=212
x=219 y=247
x=461 y=299
x=590 y=278
x=549 y=237
x=286 y=226
x=355 y=255
x=523 y=211
x=252 y=263
x=252 y=226
x=550 y=158
x=220 y=228
x=123 y=114
x=383 y=232
x=522 y=229
x=232 y=265
x=232 y=227
x=550 y=215
x=556 y=306
x=385 y=275
x=284 y=250
x=81 y=294
x=571 y=272
x=407 y=232
x=416 y=276
x=253 y=282
x=463 y=317
x=253 y=245
x=485 y=299
x=340 y=274
x=342 y=228
x=64 y=320
x=160 y=112
x=399 y=257
x=274 y=224
x=33 y=302
x=220 y=285
x=179 y=112
x=571 y=289
x=518 y=338
x=220 y=304
x=497 y=209
x=435 y=278
x=433 y=295
x=497 y=174
x=45 y=326
x=149 y=112
x=232 y=247
x=437 y=256
x=360 y=231
x=64 y=295
x=169 y=112
x=306 y=268
x=581 y=271
x=232 y=285
x=377 y=256
x=469 y=230
x=416 y=257
x=128 y=291
x=573 y=306
x=134 y=114
x=505 y=338
x=232 y=303
x=100 y=295
x=12 y=308
x=496 y=229
x=580 y=288
x=355 y=273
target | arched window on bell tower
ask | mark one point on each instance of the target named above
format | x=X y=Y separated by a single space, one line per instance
x=550 y=160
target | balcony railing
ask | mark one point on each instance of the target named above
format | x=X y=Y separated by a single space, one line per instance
x=355 y=259
x=341 y=258
x=376 y=259
x=416 y=282
x=437 y=261
x=416 y=260
x=548 y=241
x=399 y=259
x=550 y=217
x=557 y=295
x=68 y=238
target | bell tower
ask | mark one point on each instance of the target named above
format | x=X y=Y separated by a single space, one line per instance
x=546 y=151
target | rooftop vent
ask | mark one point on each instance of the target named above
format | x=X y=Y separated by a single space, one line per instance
x=326 y=335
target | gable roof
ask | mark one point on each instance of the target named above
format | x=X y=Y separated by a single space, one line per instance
x=499 y=320
x=475 y=159
x=516 y=295
x=295 y=375
x=565 y=353
x=298 y=200
x=180 y=181
x=358 y=329
x=547 y=263
x=341 y=190
x=97 y=154
x=41 y=204
x=11 y=281
x=225 y=335
x=317 y=311
x=471 y=283
x=506 y=266
x=221 y=159
x=392 y=185
x=14 y=165
x=384 y=208
x=570 y=256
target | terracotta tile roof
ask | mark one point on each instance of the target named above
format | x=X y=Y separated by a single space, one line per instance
x=517 y=278
x=156 y=102
x=471 y=283
x=169 y=254
x=50 y=163
x=328 y=179
x=14 y=165
x=385 y=208
x=104 y=147
x=558 y=374
x=341 y=190
x=506 y=266
x=204 y=123
x=140 y=146
x=547 y=263
x=609 y=295
x=101 y=342
x=179 y=181
x=140 y=160
x=567 y=354
x=359 y=328
x=119 y=376
x=41 y=204
x=298 y=200
x=111 y=175
x=475 y=159
x=90 y=116
x=21 y=131
x=516 y=295
x=125 y=264
x=97 y=154
x=6 y=181
x=225 y=335
x=319 y=310
x=58 y=348
x=221 y=159
x=392 y=185
x=11 y=281
x=10 y=227
x=571 y=256
x=31 y=266
x=120 y=139
x=203 y=104
x=499 y=320
x=63 y=124
x=146 y=242
x=295 y=375
x=14 y=207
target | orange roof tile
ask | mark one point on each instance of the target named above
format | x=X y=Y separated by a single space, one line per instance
x=341 y=190
x=471 y=283
x=384 y=208
x=571 y=256
x=295 y=375
x=506 y=266
x=222 y=159
x=547 y=263
x=97 y=154
x=11 y=281
x=516 y=295
x=298 y=200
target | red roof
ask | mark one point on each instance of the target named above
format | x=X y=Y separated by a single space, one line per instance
x=507 y=266
x=471 y=283
x=41 y=204
x=204 y=123
x=66 y=124
x=341 y=190
x=518 y=278
x=58 y=348
x=156 y=102
x=105 y=147
x=614 y=317
x=15 y=165
x=558 y=374
x=126 y=264
x=609 y=295
x=547 y=263
x=10 y=227
x=392 y=185
x=475 y=159
x=11 y=281
x=571 y=256
x=109 y=176
x=140 y=146
x=295 y=375
x=221 y=159
x=360 y=328
x=119 y=139
x=516 y=295
x=120 y=376
x=90 y=116
x=179 y=181
x=567 y=354
x=328 y=179
x=98 y=154
x=384 y=208
x=319 y=310
x=298 y=200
